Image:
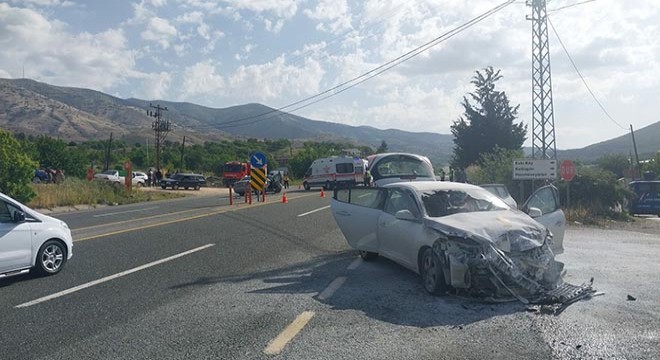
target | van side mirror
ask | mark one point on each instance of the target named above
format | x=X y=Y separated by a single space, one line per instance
x=19 y=217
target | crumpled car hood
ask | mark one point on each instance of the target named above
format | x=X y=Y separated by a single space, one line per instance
x=507 y=230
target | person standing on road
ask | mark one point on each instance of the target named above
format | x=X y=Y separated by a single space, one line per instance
x=286 y=180
x=442 y=174
x=367 y=178
x=451 y=174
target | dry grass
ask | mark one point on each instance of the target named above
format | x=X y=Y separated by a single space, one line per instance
x=83 y=192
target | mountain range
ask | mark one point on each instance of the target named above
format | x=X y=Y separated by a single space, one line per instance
x=76 y=114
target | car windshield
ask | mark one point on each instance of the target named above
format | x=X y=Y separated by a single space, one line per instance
x=109 y=172
x=232 y=168
x=438 y=203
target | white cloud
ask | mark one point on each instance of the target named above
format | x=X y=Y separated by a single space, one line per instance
x=52 y=54
x=334 y=15
x=285 y=9
x=159 y=30
x=155 y=86
x=201 y=80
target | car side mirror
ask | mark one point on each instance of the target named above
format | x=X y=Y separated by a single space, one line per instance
x=19 y=217
x=404 y=215
x=534 y=212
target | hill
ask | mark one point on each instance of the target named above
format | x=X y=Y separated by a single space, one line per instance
x=36 y=108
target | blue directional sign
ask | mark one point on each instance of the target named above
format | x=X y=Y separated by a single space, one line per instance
x=258 y=160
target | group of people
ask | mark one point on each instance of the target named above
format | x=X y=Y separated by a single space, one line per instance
x=154 y=177
x=458 y=175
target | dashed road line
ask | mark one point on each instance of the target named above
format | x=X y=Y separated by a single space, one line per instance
x=111 y=277
x=354 y=265
x=334 y=286
x=276 y=345
x=313 y=211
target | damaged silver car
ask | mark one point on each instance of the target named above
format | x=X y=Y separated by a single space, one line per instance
x=459 y=237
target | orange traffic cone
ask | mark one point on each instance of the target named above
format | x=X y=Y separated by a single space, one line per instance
x=322 y=193
x=284 y=200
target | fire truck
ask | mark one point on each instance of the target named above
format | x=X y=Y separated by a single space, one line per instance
x=233 y=171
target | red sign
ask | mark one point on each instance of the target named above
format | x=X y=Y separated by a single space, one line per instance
x=567 y=170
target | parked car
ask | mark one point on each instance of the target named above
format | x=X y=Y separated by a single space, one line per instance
x=112 y=176
x=139 y=178
x=395 y=167
x=502 y=192
x=30 y=240
x=272 y=186
x=181 y=180
x=457 y=235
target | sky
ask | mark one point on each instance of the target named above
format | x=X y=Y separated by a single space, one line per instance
x=277 y=52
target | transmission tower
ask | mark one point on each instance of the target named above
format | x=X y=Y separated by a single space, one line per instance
x=543 y=118
x=161 y=128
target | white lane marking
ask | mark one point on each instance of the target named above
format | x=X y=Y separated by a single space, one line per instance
x=124 y=212
x=276 y=345
x=313 y=211
x=354 y=265
x=334 y=286
x=111 y=277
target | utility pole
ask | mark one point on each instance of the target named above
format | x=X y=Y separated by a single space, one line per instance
x=183 y=147
x=161 y=128
x=107 y=154
x=543 y=119
x=639 y=171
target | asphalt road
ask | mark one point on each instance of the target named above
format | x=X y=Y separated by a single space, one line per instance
x=203 y=280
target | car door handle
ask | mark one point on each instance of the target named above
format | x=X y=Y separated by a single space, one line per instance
x=343 y=213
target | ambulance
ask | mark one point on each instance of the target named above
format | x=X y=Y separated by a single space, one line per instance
x=341 y=171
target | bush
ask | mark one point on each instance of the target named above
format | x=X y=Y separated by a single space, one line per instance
x=16 y=169
x=597 y=191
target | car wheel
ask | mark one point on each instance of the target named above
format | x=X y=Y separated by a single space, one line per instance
x=163 y=187
x=140 y=184
x=50 y=258
x=175 y=187
x=186 y=188
x=433 y=277
x=306 y=185
x=368 y=255
x=197 y=187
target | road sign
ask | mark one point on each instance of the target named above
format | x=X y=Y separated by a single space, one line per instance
x=258 y=160
x=532 y=169
x=257 y=178
x=567 y=170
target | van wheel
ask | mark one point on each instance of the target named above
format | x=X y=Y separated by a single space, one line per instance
x=306 y=186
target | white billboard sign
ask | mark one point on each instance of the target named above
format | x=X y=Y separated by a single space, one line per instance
x=534 y=169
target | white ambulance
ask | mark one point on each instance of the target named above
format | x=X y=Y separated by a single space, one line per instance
x=337 y=170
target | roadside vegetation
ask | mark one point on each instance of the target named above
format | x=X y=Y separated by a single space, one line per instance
x=77 y=191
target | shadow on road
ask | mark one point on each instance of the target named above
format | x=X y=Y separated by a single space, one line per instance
x=382 y=290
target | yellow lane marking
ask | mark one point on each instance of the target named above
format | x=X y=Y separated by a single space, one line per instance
x=277 y=345
x=169 y=221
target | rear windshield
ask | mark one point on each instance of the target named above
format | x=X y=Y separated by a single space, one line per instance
x=401 y=166
x=438 y=203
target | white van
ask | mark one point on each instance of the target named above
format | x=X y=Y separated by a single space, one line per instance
x=339 y=170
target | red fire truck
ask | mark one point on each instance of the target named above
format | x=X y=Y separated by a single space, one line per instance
x=233 y=171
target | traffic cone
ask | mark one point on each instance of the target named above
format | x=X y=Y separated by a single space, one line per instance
x=322 y=193
x=284 y=200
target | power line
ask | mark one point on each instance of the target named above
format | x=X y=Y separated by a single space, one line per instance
x=582 y=77
x=335 y=90
x=569 y=6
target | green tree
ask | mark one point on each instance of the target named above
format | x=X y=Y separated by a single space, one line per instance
x=382 y=148
x=496 y=167
x=615 y=163
x=16 y=169
x=487 y=123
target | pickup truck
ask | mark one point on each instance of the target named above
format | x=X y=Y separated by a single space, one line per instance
x=111 y=176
